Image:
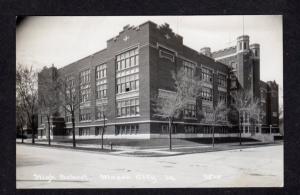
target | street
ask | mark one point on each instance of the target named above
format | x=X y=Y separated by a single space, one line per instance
x=42 y=167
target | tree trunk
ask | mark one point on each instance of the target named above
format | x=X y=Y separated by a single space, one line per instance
x=213 y=136
x=73 y=129
x=170 y=133
x=32 y=129
x=49 y=138
x=240 y=129
x=22 y=134
x=102 y=133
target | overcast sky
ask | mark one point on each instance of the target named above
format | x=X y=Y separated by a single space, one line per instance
x=42 y=41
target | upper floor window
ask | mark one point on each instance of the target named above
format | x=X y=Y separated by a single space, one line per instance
x=190 y=110
x=206 y=75
x=222 y=80
x=101 y=88
x=101 y=71
x=85 y=77
x=100 y=112
x=223 y=96
x=129 y=107
x=207 y=94
x=189 y=68
x=85 y=114
x=128 y=59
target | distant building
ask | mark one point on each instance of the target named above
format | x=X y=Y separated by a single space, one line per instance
x=137 y=63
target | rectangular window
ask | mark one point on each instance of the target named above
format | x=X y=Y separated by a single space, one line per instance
x=189 y=68
x=207 y=75
x=84 y=131
x=206 y=94
x=190 y=111
x=222 y=81
x=101 y=71
x=100 y=112
x=84 y=115
x=222 y=96
x=126 y=129
x=129 y=107
x=127 y=74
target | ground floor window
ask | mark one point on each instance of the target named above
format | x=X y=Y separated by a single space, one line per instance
x=165 y=128
x=98 y=130
x=189 y=129
x=84 y=131
x=127 y=129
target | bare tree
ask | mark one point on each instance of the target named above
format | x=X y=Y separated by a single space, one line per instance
x=255 y=113
x=104 y=113
x=69 y=98
x=217 y=116
x=20 y=116
x=48 y=97
x=244 y=102
x=26 y=90
x=169 y=105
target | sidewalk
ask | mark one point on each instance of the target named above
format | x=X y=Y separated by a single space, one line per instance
x=151 y=152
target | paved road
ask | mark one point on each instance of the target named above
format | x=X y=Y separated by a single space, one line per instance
x=40 y=167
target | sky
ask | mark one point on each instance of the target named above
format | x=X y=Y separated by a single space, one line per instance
x=43 y=41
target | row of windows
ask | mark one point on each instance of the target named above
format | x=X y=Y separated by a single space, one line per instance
x=190 y=110
x=207 y=94
x=101 y=91
x=128 y=83
x=100 y=112
x=128 y=59
x=84 y=77
x=85 y=116
x=84 y=131
x=127 y=129
x=189 y=68
x=134 y=129
x=85 y=94
x=206 y=75
x=204 y=129
x=129 y=107
x=222 y=81
x=223 y=96
x=101 y=71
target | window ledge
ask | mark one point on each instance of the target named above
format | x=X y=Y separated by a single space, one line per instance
x=85 y=121
x=120 y=117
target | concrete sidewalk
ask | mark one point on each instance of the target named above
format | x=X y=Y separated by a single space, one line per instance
x=151 y=152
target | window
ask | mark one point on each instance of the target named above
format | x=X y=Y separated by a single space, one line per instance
x=68 y=118
x=101 y=71
x=189 y=129
x=101 y=89
x=85 y=88
x=128 y=107
x=84 y=131
x=222 y=80
x=100 y=112
x=128 y=59
x=164 y=53
x=84 y=115
x=206 y=75
x=127 y=129
x=190 y=111
x=245 y=45
x=84 y=77
x=98 y=130
x=222 y=96
x=85 y=94
x=127 y=71
x=206 y=94
x=189 y=68
x=208 y=112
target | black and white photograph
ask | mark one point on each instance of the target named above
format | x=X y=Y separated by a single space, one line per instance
x=109 y=102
